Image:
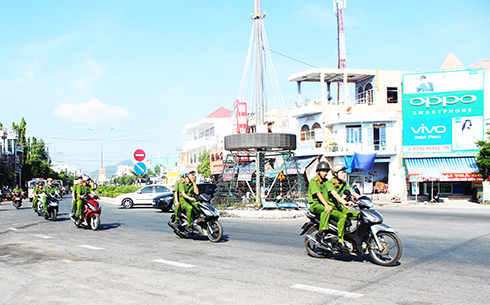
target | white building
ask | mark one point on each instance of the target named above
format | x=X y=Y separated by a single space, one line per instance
x=369 y=123
x=207 y=133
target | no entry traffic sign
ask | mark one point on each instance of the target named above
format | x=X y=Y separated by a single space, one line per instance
x=139 y=155
x=140 y=168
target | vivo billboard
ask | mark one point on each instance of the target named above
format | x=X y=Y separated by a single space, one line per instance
x=442 y=113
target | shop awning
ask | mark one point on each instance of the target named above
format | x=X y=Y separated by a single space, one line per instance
x=453 y=169
x=302 y=164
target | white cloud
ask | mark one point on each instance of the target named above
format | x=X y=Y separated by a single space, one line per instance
x=94 y=113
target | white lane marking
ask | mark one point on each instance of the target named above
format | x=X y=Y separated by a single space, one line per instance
x=43 y=236
x=13 y=229
x=90 y=247
x=346 y=294
x=162 y=261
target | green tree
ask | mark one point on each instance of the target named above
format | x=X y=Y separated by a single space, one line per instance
x=38 y=150
x=157 y=170
x=38 y=169
x=204 y=165
x=21 y=133
x=483 y=157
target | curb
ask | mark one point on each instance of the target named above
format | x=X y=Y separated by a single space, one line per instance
x=263 y=214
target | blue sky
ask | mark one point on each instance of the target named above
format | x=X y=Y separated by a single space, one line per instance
x=151 y=67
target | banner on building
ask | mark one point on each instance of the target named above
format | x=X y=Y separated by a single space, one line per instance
x=216 y=160
x=240 y=121
x=443 y=113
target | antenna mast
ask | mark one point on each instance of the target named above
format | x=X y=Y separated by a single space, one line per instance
x=342 y=88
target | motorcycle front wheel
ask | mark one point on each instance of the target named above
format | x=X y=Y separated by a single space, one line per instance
x=390 y=249
x=310 y=246
x=54 y=215
x=215 y=231
x=95 y=222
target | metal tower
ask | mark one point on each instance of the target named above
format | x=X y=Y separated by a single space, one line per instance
x=342 y=88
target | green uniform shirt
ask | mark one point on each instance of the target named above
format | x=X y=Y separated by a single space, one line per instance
x=317 y=185
x=84 y=190
x=17 y=191
x=37 y=191
x=188 y=189
x=49 y=190
x=333 y=184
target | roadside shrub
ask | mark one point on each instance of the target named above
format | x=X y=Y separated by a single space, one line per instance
x=114 y=191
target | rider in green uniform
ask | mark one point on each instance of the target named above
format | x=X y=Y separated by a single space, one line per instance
x=335 y=188
x=76 y=185
x=36 y=192
x=84 y=189
x=177 y=205
x=17 y=190
x=187 y=191
x=48 y=189
x=316 y=198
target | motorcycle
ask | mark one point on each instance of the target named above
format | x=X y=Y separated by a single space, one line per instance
x=52 y=206
x=17 y=200
x=205 y=221
x=367 y=235
x=90 y=213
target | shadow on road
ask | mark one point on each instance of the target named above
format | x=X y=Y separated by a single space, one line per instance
x=353 y=258
x=109 y=226
x=224 y=239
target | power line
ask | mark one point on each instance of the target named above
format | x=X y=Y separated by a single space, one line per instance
x=294 y=59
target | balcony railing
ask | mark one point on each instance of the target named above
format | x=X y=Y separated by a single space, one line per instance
x=365 y=98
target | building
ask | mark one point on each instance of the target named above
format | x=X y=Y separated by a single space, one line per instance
x=207 y=133
x=369 y=123
x=444 y=114
x=11 y=157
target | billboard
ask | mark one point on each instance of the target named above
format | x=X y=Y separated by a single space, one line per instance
x=216 y=160
x=443 y=113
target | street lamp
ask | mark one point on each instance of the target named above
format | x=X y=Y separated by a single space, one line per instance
x=101 y=147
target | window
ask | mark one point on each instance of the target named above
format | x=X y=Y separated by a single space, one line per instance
x=379 y=136
x=147 y=190
x=317 y=135
x=365 y=95
x=354 y=134
x=369 y=94
x=305 y=133
x=392 y=95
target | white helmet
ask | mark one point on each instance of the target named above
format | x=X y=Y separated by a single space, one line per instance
x=337 y=168
x=86 y=178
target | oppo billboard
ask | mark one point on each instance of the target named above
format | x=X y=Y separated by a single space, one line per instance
x=442 y=113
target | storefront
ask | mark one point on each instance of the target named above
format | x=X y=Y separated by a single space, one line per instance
x=443 y=117
x=443 y=176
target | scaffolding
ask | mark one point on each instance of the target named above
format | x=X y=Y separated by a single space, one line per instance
x=282 y=179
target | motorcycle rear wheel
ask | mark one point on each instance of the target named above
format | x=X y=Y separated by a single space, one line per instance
x=391 y=249
x=215 y=231
x=95 y=222
x=311 y=248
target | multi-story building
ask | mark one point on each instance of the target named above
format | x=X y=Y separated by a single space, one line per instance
x=11 y=155
x=368 y=123
x=207 y=133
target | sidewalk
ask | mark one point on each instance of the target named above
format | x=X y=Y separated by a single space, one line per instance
x=250 y=213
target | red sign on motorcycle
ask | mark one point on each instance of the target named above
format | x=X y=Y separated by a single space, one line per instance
x=139 y=155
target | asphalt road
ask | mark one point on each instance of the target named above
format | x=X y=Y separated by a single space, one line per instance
x=136 y=259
